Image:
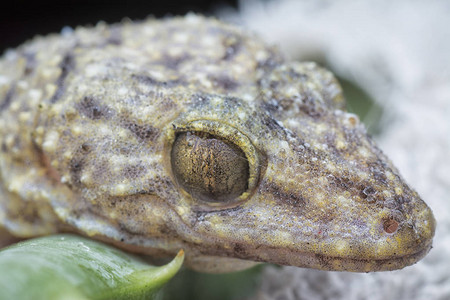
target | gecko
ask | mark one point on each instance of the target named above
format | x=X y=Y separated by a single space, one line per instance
x=189 y=133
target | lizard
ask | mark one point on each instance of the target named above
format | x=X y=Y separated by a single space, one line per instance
x=189 y=133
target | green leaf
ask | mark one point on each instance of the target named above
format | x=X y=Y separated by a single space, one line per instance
x=192 y=285
x=72 y=267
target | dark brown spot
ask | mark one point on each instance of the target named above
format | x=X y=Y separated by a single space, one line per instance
x=286 y=104
x=92 y=109
x=311 y=106
x=133 y=171
x=341 y=182
x=225 y=83
x=232 y=46
x=86 y=147
x=148 y=191
x=390 y=225
x=172 y=62
x=129 y=230
x=350 y=183
x=143 y=132
x=284 y=198
x=66 y=65
x=8 y=98
x=30 y=64
x=271 y=106
x=324 y=261
x=145 y=79
x=168 y=231
x=293 y=74
x=240 y=250
x=75 y=167
x=272 y=124
x=201 y=212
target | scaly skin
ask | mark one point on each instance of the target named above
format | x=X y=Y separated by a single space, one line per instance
x=89 y=118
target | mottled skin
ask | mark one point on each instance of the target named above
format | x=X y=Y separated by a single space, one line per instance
x=89 y=117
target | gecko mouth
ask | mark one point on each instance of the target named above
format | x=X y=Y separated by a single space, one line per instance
x=290 y=257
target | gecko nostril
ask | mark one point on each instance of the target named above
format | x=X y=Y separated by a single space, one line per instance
x=390 y=226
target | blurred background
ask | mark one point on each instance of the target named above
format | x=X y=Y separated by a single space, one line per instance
x=393 y=60
x=22 y=19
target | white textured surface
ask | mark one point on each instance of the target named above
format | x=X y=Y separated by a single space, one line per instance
x=400 y=53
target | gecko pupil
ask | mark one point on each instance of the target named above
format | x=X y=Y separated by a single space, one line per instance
x=209 y=168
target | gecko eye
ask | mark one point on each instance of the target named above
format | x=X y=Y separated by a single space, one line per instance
x=208 y=167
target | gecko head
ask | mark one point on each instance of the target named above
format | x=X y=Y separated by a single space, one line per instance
x=311 y=191
x=289 y=178
x=134 y=147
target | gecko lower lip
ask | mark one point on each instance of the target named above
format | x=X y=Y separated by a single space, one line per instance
x=370 y=265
